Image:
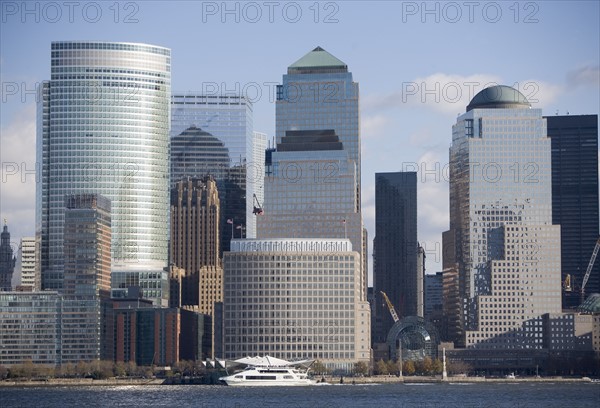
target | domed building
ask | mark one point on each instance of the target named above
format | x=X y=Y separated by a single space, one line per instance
x=501 y=243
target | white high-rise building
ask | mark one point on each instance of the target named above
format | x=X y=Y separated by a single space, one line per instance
x=103 y=127
x=26 y=264
x=507 y=252
x=296 y=298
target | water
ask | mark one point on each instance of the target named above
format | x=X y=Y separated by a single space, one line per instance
x=506 y=395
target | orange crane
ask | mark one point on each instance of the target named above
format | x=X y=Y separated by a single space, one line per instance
x=390 y=307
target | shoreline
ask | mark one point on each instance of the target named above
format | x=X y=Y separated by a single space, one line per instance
x=77 y=382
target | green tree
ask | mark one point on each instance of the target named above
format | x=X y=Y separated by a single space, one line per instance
x=382 y=368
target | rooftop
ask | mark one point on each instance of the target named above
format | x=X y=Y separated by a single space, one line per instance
x=317 y=61
x=499 y=97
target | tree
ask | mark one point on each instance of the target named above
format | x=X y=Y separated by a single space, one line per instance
x=438 y=366
x=3 y=372
x=393 y=367
x=382 y=368
x=361 y=368
x=319 y=368
x=120 y=369
x=408 y=367
x=426 y=366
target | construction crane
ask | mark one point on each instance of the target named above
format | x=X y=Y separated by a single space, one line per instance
x=257 y=207
x=390 y=307
x=589 y=269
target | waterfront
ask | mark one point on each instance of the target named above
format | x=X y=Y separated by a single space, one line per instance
x=429 y=395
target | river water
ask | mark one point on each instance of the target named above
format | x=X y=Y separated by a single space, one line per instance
x=505 y=395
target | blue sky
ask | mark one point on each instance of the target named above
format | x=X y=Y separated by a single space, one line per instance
x=417 y=63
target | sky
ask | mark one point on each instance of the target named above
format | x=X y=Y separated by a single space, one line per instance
x=417 y=64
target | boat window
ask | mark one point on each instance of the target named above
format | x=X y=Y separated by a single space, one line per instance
x=261 y=377
x=288 y=377
x=239 y=376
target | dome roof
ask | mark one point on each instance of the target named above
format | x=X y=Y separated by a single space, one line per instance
x=591 y=304
x=499 y=97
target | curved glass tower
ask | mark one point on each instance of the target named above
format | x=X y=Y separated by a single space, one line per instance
x=103 y=127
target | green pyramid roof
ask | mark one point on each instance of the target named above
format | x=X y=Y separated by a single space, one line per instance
x=318 y=59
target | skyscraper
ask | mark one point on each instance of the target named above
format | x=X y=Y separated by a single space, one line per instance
x=87 y=263
x=103 y=127
x=227 y=120
x=575 y=199
x=318 y=94
x=195 y=217
x=507 y=252
x=395 y=249
x=310 y=191
x=7 y=260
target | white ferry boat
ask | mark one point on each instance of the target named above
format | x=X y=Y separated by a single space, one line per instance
x=270 y=371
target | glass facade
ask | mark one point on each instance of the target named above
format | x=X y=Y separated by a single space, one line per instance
x=395 y=249
x=318 y=93
x=30 y=327
x=229 y=120
x=506 y=248
x=103 y=127
x=575 y=199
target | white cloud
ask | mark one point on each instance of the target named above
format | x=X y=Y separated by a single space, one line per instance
x=588 y=75
x=17 y=181
x=373 y=126
x=444 y=93
x=539 y=93
x=449 y=94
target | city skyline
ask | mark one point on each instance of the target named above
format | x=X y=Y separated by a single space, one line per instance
x=409 y=88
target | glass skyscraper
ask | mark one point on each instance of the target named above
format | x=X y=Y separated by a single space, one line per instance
x=318 y=94
x=395 y=249
x=575 y=199
x=227 y=119
x=507 y=251
x=103 y=127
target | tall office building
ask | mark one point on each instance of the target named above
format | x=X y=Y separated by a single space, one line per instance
x=310 y=191
x=194 y=241
x=87 y=245
x=575 y=199
x=395 y=250
x=103 y=127
x=296 y=298
x=318 y=93
x=26 y=261
x=7 y=260
x=506 y=250
x=223 y=126
x=318 y=98
x=87 y=263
